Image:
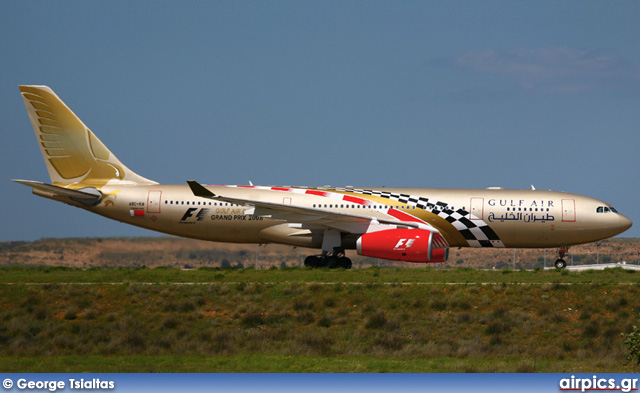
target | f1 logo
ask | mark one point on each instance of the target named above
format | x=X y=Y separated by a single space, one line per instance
x=199 y=217
x=403 y=244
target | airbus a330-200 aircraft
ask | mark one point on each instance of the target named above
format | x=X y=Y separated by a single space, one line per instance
x=401 y=224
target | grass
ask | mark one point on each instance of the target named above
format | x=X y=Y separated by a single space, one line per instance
x=282 y=363
x=299 y=320
x=52 y=275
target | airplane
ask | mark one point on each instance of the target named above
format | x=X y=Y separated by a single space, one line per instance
x=401 y=224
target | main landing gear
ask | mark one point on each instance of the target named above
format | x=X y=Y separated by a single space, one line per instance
x=560 y=263
x=326 y=260
x=333 y=255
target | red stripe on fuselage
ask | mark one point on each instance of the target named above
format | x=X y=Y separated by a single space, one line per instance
x=348 y=198
x=400 y=215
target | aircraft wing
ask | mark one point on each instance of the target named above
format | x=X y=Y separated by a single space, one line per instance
x=345 y=222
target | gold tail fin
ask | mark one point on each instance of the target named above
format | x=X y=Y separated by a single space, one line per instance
x=74 y=156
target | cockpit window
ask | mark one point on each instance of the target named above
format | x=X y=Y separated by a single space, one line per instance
x=605 y=209
x=599 y=209
x=613 y=210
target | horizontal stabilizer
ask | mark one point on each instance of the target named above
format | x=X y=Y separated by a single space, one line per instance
x=87 y=196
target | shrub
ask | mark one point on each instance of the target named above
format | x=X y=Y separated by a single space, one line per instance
x=187 y=306
x=318 y=343
x=325 y=321
x=438 y=305
x=303 y=304
x=390 y=341
x=252 y=318
x=632 y=341
x=376 y=321
x=497 y=328
x=305 y=317
x=170 y=322
x=71 y=313
x=592 y=329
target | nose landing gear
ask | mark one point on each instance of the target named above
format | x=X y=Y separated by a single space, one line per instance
x=560 y=262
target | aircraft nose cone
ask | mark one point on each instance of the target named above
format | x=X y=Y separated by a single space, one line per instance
x=624 y=223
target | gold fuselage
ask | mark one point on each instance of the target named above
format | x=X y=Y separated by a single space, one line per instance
x=519 y=218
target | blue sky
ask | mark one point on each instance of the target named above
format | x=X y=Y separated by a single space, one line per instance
x=423 y=94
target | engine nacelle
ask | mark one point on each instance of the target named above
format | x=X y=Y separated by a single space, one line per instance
x=409 y=245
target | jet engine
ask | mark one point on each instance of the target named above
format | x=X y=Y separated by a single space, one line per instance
x=409 y=245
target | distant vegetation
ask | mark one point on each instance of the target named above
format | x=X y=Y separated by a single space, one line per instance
x=187 y=253
x=299 y=320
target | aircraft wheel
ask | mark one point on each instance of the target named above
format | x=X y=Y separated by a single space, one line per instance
x=333 y=262
x=313 y=261
x=322 y=262
x=344 y=262
x=309 y=261
x=560 y=264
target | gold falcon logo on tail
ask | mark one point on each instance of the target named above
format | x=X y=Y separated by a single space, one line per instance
x=74 y=156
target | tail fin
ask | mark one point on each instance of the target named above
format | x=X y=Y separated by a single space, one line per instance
x=74 y=156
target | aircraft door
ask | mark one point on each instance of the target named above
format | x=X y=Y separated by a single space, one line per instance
x=153 y=201
x=568 y=210
x=477 y=208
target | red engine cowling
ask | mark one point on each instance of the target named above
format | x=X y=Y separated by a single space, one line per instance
x=409 y=245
